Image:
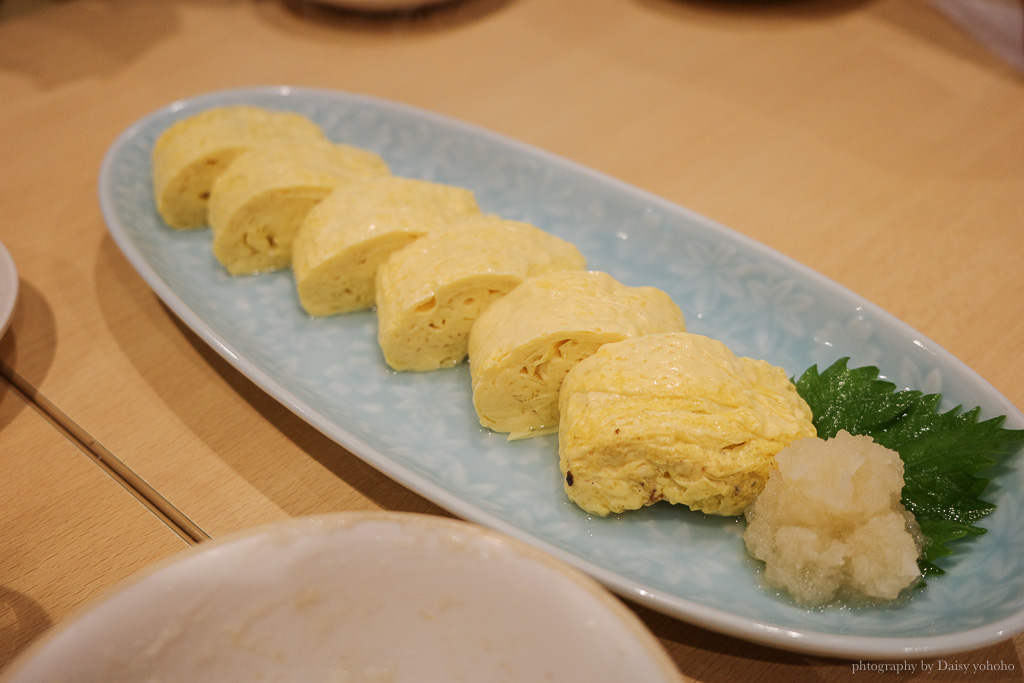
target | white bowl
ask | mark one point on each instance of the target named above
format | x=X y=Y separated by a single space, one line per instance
x=354 y=597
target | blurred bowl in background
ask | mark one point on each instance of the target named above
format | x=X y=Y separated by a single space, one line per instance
x=379 y=5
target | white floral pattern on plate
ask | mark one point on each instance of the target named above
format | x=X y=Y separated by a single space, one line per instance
x=421 y=430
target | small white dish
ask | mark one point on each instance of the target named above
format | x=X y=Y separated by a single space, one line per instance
x=8 y=288
x=354 y=597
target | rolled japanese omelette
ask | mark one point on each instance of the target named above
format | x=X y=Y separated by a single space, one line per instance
x=523 y=345
x=346 y=237
x=676 y=417
x=431 y=291
x=259 y=202
x=191 y=153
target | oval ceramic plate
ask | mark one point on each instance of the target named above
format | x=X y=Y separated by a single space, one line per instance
x=354 y=597
x=421 y=429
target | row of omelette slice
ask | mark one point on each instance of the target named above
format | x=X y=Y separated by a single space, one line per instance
x=644 y=410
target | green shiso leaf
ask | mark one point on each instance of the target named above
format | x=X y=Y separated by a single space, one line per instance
x=942 y=452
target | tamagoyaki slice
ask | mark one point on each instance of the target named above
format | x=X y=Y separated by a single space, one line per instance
x=678 y=417
x=431 y=291
x=258 y=204
x=524 y=344
x=191 y=153
x=346 y=237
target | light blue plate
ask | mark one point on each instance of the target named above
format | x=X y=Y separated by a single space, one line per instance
x=421 y=430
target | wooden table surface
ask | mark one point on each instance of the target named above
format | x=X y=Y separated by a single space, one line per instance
x=871 y=140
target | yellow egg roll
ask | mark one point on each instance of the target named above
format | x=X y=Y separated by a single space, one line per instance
x=523 y=345
x=191 y=153
x=258 y=204
x=676 y=417
x=346 y=237
x=430 y=292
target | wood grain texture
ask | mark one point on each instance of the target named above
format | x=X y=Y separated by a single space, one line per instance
x=68 y=530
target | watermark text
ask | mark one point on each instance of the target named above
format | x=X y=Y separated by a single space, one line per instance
x=908 y=667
